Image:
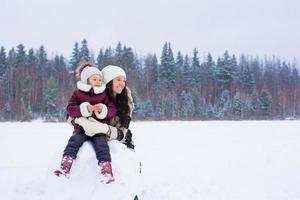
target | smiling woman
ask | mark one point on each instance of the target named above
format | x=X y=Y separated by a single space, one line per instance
x=120 y=95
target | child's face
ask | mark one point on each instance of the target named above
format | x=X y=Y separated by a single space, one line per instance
x=95 y=80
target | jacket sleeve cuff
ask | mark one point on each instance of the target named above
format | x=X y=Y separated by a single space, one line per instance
x=103 y=113
x=84 y=109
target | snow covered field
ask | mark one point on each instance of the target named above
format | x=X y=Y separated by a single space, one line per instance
x=211 y=160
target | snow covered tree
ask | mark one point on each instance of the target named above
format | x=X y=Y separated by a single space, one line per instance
x=84 y=53
x=40 y=80
x=152 y=81
x=167 y=68
x=179 y=64
x=119 y=55
x=265 y=103
x=179 y=73
x=249 y=106
x=210 y=88
x=295 y=85
x=237 y=104
x=187 y=79
x=226 y=71
x=224 y=107
x=50 y=99
x=75 y=60
x=187 y=105
x=196 y=68
x=130 y=66
x=246 y=77
x=3 y=81
x=3 y=63
x=99 y=60
x=169 y=106
x=148 y=109
x=26 y=83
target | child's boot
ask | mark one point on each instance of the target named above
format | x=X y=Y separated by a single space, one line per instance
x=106 y=172
x=65 y=167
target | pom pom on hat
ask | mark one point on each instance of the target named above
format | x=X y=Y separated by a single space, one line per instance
x=111 y=71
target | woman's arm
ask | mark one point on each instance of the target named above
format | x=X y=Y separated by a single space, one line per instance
x=93 y=127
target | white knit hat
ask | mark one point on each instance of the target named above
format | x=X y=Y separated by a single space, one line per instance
x=87 y=72
x=110 y=72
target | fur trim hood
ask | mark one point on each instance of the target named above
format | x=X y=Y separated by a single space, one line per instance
x=86 y=88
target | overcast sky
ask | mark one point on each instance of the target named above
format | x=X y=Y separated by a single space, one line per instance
x=254 y=27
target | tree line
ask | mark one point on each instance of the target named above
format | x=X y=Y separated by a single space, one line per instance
x=168 y=87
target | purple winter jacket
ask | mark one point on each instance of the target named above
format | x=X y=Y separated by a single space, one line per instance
x=79 y=97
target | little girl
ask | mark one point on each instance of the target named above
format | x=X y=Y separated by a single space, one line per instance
x=89 y=100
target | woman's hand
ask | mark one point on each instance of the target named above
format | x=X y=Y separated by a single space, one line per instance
x=127 y=140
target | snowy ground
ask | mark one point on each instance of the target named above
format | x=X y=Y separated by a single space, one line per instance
x=215 y=160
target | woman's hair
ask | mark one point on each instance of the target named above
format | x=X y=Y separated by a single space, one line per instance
x=121 y=102
x=81 y=67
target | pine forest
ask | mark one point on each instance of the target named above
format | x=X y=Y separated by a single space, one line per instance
x=168 y=86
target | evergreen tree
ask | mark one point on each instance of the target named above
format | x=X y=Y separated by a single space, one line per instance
x=75 y=60
x=3 y=82
x=119 y=55
x=179 y=64
x=42 y=58
x=27 y=113
x=211 y=79
x=246 y=76
x=224 y=107
x=295 y=82
x=167 y=68
x=3 y=63
x=10 y=89
x=50 y=99
x=249 y=106
x=226 y=71
x=20 y=55
x=42 y=63
x=108 y=57
x=137 y=111
x=179 y=73
x=19 y=71
x=187 y=105
x=84 y=53
x=31 y=60
x=285 y=78
x=152 y=78
x=128 y=63
x=169 y=106
x=199 y=104
x=257 y=71
x=237 y=104
x=265 y=103
x=196 y=71
x=100 y=59
x=187 y=75
x=211 y=66
x=133 y=68
x=148 y=109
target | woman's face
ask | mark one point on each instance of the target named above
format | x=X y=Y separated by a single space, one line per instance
x=118 y=84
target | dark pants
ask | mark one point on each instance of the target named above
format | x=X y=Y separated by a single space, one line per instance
x=99 y=143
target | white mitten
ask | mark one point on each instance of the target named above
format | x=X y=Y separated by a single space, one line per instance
x=92 y=126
